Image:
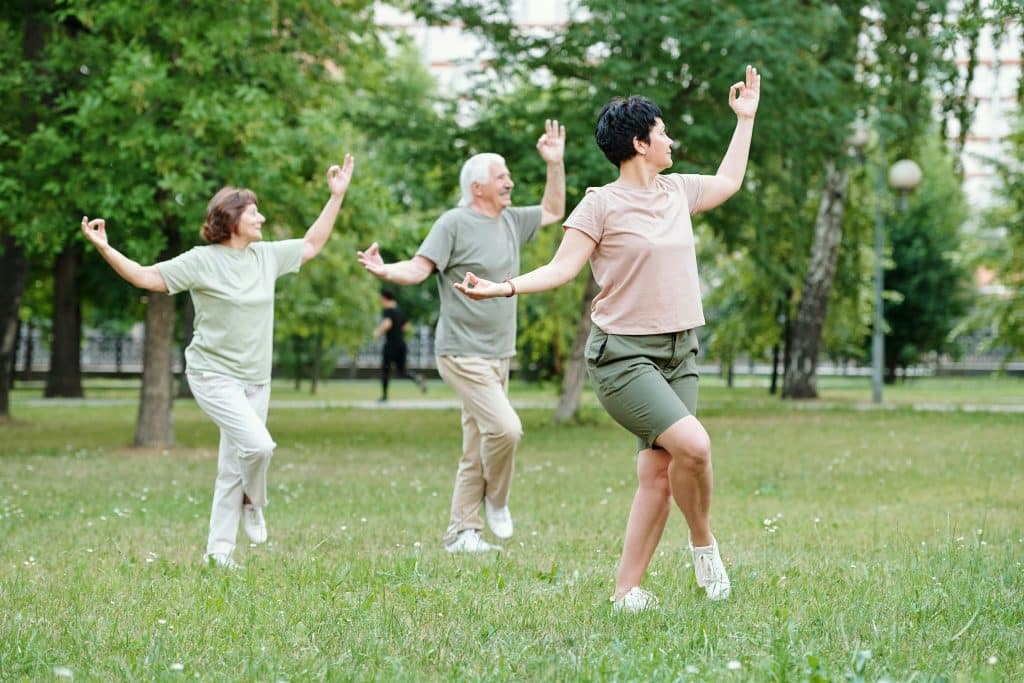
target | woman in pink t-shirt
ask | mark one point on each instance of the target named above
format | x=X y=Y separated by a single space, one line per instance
x=637 y=234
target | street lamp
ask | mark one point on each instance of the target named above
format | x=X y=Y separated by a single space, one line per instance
x=904 y=176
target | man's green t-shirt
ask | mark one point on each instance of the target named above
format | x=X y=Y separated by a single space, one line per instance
x=233 y=294
x=464 y=240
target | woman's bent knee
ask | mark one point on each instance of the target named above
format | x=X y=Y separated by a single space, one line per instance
x=695 y=456
x=259 y=451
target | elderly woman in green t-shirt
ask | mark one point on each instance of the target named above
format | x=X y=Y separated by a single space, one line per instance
x=637 y=234
x=232 y=281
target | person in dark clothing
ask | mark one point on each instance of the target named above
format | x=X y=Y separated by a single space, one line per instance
x=393 y=325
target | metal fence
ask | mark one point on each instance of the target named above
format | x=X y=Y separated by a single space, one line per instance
x=104 y=353
x=109 y=354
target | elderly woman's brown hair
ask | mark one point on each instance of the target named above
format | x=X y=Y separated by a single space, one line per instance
x=223 y=212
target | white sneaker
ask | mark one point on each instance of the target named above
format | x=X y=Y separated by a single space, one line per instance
x=635 y=600
x=711 y=575
x=221 y=560
x=254 y=524
x=499 y=519
x=469 y=541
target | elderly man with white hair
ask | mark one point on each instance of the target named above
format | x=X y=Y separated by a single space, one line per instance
x=475 y=342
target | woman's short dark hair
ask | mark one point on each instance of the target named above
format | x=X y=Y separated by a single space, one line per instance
x=223 y=212
x=621 y=120
x=388 y=294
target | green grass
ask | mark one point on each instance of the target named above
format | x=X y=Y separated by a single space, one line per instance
x=897 y=532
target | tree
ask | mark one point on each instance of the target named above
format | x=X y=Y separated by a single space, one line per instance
x=152 y=107
x=902 y=56
x=999 y=313
x=23 y=39
x=928 y=276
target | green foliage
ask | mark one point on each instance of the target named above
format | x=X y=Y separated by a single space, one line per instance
x=929 y=275
x=139 y=112
x=999 y=316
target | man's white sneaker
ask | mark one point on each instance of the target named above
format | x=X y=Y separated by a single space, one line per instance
x=221 y=560
x=635 y=600
x=499 y=519
x=469 y=541
x=711 y=575
x=254 y=524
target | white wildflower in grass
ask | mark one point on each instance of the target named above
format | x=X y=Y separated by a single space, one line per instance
x=161 y=621
x=691 y=669
x=363 y=520
x=733 y=665
x=177 y=666
x=63 y=672
x=993 y=660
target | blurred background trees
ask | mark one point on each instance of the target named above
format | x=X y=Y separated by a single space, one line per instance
x=139 y=111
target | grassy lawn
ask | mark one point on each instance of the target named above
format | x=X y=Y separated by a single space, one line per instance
x=872 y=544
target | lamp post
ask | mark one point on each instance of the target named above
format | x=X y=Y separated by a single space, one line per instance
x=904 y=176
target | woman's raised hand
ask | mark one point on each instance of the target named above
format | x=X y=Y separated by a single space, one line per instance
x=744 y=96
x=478 y=288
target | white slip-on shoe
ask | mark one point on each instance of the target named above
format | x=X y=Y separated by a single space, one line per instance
x=221 y=560
x=635 y=600
x=254 y=524
x=711 y=574
x=499 y=520
x=469 y=541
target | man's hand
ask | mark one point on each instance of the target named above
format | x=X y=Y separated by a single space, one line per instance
x=551 y=145
x=95 y=231
x=372 y=261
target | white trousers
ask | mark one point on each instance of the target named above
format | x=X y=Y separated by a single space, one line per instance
x=240 y=411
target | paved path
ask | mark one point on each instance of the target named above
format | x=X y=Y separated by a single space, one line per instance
x=453 y=404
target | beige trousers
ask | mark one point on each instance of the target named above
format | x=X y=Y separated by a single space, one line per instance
x=491 y=430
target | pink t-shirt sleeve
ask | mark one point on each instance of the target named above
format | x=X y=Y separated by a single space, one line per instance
x=585 y=217
x=691 y=185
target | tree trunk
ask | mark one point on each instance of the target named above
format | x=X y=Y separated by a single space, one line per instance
x=64 y=378
x=154 y=427
x=576 y=368
x=13 y=274
x=774 y=386
x=318 y=350
x=12 y=368
x=30 y=350
x=801 y=379
x=188 y=322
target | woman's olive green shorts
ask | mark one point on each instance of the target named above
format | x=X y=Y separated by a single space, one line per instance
x=646 y=382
